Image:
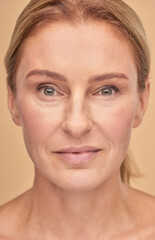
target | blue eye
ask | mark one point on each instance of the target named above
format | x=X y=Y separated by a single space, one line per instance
x=109 y=90
x=48 y=91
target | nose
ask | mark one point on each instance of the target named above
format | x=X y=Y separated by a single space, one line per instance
x=77 y=119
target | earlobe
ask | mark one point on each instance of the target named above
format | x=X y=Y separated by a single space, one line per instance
x=142 y=104
x=12 y=107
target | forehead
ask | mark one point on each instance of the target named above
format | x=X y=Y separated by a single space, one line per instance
x=86 y=45
x=77 y=32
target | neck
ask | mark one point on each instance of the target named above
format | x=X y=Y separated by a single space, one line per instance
x=67 y=214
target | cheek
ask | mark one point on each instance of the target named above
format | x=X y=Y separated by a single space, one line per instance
x=38 y=122
x=121 y=123
x=116 y=122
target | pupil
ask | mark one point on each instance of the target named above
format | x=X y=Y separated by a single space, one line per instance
x=48 y=91
x=107 y=91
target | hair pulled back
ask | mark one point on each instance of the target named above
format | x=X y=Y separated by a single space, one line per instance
x=115 y=12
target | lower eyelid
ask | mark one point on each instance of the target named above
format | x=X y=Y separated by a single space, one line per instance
x=55 y=94
x=113 y=88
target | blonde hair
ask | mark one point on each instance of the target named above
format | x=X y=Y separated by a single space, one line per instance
x=115 y=12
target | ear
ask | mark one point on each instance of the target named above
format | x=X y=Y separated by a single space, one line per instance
x=143 y=104
x=12 y=106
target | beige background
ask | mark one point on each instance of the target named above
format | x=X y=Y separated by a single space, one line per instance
x=16 y=169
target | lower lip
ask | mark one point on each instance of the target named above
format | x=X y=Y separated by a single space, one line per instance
x=78 y=158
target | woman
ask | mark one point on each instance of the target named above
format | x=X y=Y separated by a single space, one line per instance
x=78 y=82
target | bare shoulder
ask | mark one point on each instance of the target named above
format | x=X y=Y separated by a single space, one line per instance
x=12 y=215
x=142 y=208
x=143 y=201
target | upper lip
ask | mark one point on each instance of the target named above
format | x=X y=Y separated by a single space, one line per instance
x=79 y=149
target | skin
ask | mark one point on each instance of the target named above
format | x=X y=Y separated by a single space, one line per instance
x=85 y=201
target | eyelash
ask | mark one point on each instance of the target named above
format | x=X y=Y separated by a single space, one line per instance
x=109 y=87
x=44 y=87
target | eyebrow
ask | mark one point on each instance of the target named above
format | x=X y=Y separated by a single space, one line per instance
x=60 y=77
x=107 y=76
x=47 y=73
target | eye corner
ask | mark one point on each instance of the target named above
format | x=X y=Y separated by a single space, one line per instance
x=48 y=92
x=109 y=90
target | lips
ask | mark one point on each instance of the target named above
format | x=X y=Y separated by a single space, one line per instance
x=78 y=149
x=78 y=155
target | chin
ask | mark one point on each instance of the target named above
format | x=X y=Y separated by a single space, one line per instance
x=80 y=180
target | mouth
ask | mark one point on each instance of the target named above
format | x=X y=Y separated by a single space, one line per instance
x=80 y=152
x=78 y=149
x=77 y=157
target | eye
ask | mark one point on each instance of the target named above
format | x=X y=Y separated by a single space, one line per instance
x=108 y=90
x=47 y=90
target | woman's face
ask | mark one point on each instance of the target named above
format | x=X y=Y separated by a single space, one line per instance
x=77 y=86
